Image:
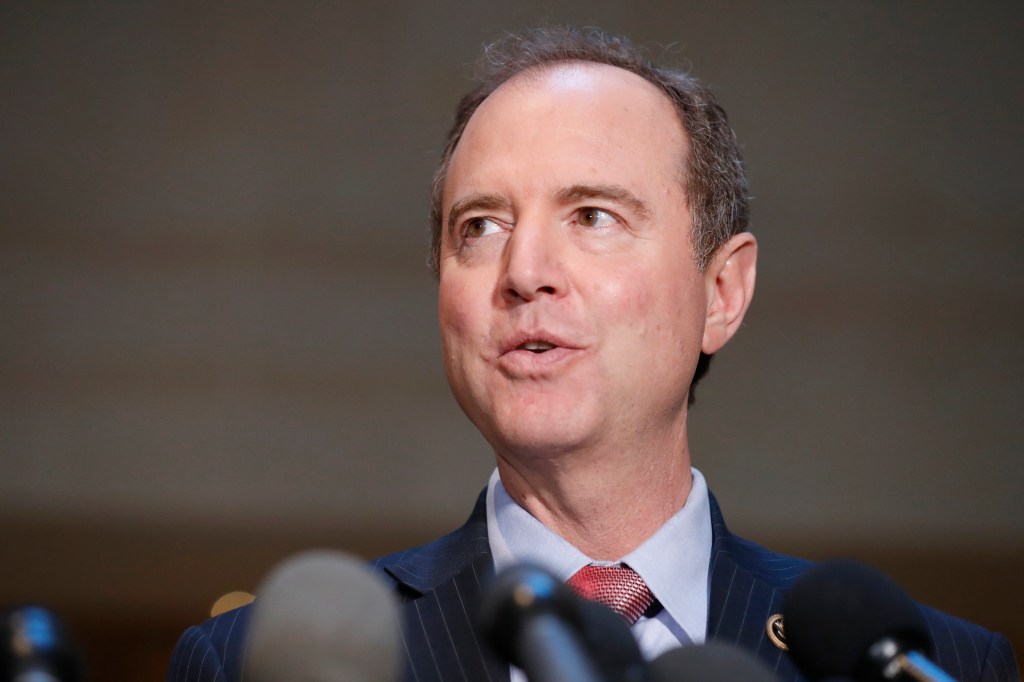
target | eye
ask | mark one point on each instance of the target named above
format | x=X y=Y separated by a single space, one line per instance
x=480 y=227
x=595 y=217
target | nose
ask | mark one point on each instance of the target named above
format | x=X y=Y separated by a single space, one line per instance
x=533 y=262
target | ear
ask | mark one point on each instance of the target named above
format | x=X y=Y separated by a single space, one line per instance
x=729 y=282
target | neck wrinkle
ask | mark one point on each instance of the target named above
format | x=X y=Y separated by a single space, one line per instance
x=605 y=506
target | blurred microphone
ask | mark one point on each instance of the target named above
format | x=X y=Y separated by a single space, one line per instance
x=537 y=623
x=323 y=617
x=36 y=647
x=709 y=662
x=844 y=619
x=608 y=640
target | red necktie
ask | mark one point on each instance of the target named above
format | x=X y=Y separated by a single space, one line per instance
x=617 y=587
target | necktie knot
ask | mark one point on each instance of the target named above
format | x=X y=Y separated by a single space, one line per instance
x=618 y=587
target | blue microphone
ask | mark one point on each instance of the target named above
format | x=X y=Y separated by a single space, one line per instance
x=35 y=647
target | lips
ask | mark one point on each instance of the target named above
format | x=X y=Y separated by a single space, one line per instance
x=535 y=353
x=536 y=341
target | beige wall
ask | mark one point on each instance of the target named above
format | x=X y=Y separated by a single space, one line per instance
x=216 y=322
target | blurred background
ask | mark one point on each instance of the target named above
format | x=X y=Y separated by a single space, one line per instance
x=218 y=342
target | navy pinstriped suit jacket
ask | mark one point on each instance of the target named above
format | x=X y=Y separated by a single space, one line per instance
x=440 y=586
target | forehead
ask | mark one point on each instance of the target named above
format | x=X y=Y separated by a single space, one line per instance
x=570 y=122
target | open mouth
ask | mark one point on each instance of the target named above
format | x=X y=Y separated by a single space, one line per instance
x=536 y=346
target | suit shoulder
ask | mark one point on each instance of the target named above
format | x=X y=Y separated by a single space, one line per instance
x=213 y=651
x=963 y=649
x=424 y=565
x=779 y=570
x=968 y=651
x=729 y=551
x=454 y=546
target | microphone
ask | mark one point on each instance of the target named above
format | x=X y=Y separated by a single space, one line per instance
x=36 y=647
x=608 y=640
x=537 y=623
x=322 y=616
x=708 y=662
x=844 y=619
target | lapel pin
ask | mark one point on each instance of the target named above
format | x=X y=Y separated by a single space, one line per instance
x=776 y=631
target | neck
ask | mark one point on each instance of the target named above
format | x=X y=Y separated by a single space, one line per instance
x=605 y=503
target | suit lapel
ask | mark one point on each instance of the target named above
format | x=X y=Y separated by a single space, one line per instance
x=441 y=585
x=747 y=588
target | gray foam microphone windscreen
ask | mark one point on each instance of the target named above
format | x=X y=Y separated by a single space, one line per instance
x=322 y=616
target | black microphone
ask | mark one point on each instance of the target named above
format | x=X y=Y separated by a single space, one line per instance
x=844 y=619
x=537 y=623
x=709 y=662
x=608 y=640
x=323 y=617
x=36 y=647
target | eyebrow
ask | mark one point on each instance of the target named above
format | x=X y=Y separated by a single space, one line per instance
x=476 y=202
x=613 y=193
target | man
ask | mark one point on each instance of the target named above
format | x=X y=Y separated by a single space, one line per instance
x=589 y=217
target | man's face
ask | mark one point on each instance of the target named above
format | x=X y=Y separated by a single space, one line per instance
x=571 y=311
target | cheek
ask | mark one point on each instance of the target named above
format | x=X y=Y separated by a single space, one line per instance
x=629 y=301
x=663 y=311
x=451 y=297
x=459 y=317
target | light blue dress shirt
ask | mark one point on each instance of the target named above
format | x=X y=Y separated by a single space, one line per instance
x=673 y=562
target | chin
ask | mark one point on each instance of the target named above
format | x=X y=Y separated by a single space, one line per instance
x=535 y=433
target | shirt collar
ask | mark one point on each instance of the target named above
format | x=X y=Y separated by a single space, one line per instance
x=673 y=561
x=516 y=537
